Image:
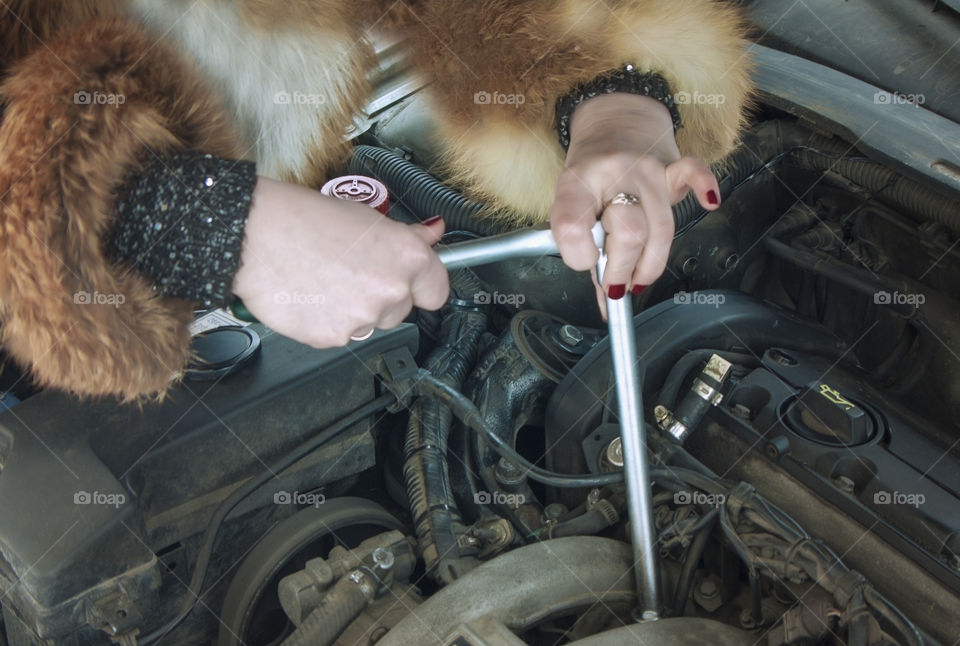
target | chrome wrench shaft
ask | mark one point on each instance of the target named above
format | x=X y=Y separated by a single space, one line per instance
x=633 y=436
x=517 y=244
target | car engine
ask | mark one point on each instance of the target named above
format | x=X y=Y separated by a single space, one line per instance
x=459 y=480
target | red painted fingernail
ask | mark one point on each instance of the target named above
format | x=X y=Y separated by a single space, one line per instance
x=432 y=220
x=616 y=292
x=712 y=197
x=639 y=289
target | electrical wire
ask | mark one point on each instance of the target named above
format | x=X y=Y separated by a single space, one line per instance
x=467 y=412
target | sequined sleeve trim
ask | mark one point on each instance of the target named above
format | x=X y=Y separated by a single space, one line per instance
x=180 y=224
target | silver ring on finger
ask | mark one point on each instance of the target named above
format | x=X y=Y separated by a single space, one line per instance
x=627 y=199
x=363 y=337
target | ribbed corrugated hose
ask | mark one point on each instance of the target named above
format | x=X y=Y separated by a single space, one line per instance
x=426 y=475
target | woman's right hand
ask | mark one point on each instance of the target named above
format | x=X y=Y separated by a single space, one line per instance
x=320 y=270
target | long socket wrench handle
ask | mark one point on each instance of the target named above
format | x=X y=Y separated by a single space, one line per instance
x=505 y=246
x=623 y=346
x=633 y=436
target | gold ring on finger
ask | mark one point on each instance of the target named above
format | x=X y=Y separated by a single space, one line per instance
x=628 y=199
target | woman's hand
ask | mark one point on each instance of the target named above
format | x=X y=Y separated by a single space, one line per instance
x=320 y=270
x=623 y=143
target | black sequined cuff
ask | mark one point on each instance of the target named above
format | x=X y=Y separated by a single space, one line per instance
x=626 y=79
x=180 y=224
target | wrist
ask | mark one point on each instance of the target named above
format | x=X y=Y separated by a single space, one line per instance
x=623 y=122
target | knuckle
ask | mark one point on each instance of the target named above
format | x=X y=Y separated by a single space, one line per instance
x=416 y=254
x=568 y=230
x=627 y=224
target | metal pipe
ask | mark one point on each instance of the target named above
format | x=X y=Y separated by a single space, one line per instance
x=623 y=348
x=517 y=244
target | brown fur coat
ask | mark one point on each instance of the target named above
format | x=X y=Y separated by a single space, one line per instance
x=62 y=158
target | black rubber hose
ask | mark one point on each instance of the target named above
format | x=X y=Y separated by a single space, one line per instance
x=892 y=614
x=674 y=381
x=594 y=521
x=340 y=606
x=420 y=192
x=694 y=552
x=858 y=630
x=426 y=474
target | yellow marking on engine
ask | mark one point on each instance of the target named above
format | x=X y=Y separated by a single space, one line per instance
x=835 y=397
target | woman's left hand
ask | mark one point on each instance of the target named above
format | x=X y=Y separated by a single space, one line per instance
x=623 y=143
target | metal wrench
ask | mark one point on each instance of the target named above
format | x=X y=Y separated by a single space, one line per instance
x=623 y=347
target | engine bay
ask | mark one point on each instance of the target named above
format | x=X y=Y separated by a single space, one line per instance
x=459 y=480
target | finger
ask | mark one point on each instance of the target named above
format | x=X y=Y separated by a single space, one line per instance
x=430 y=288
x=430 y=230
x=691 y=173
x=572 y=217
x=656 y=249
x=626 y=227
x=601 y=296
x=395 y=315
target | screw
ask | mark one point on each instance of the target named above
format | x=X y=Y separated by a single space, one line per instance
x=593 y=497
x=660 y=413
x=844 y=484
x=571 y=335
x=708 y=589
x=554 y=510
x=508 y=474
x=741 y=411
x=782 y=358
x=384 y=559
x=615 y=452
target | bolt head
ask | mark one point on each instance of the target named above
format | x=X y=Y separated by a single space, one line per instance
x=571 y=335
x=615 y=452
x=708 y=589
x=383 y=558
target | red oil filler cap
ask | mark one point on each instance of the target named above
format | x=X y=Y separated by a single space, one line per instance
x=358 y=188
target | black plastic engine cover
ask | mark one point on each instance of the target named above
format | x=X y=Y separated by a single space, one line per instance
x=90 y=491
x=880 y=468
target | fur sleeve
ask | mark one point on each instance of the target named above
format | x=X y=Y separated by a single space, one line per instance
x=80 y=112
x=499 y=66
